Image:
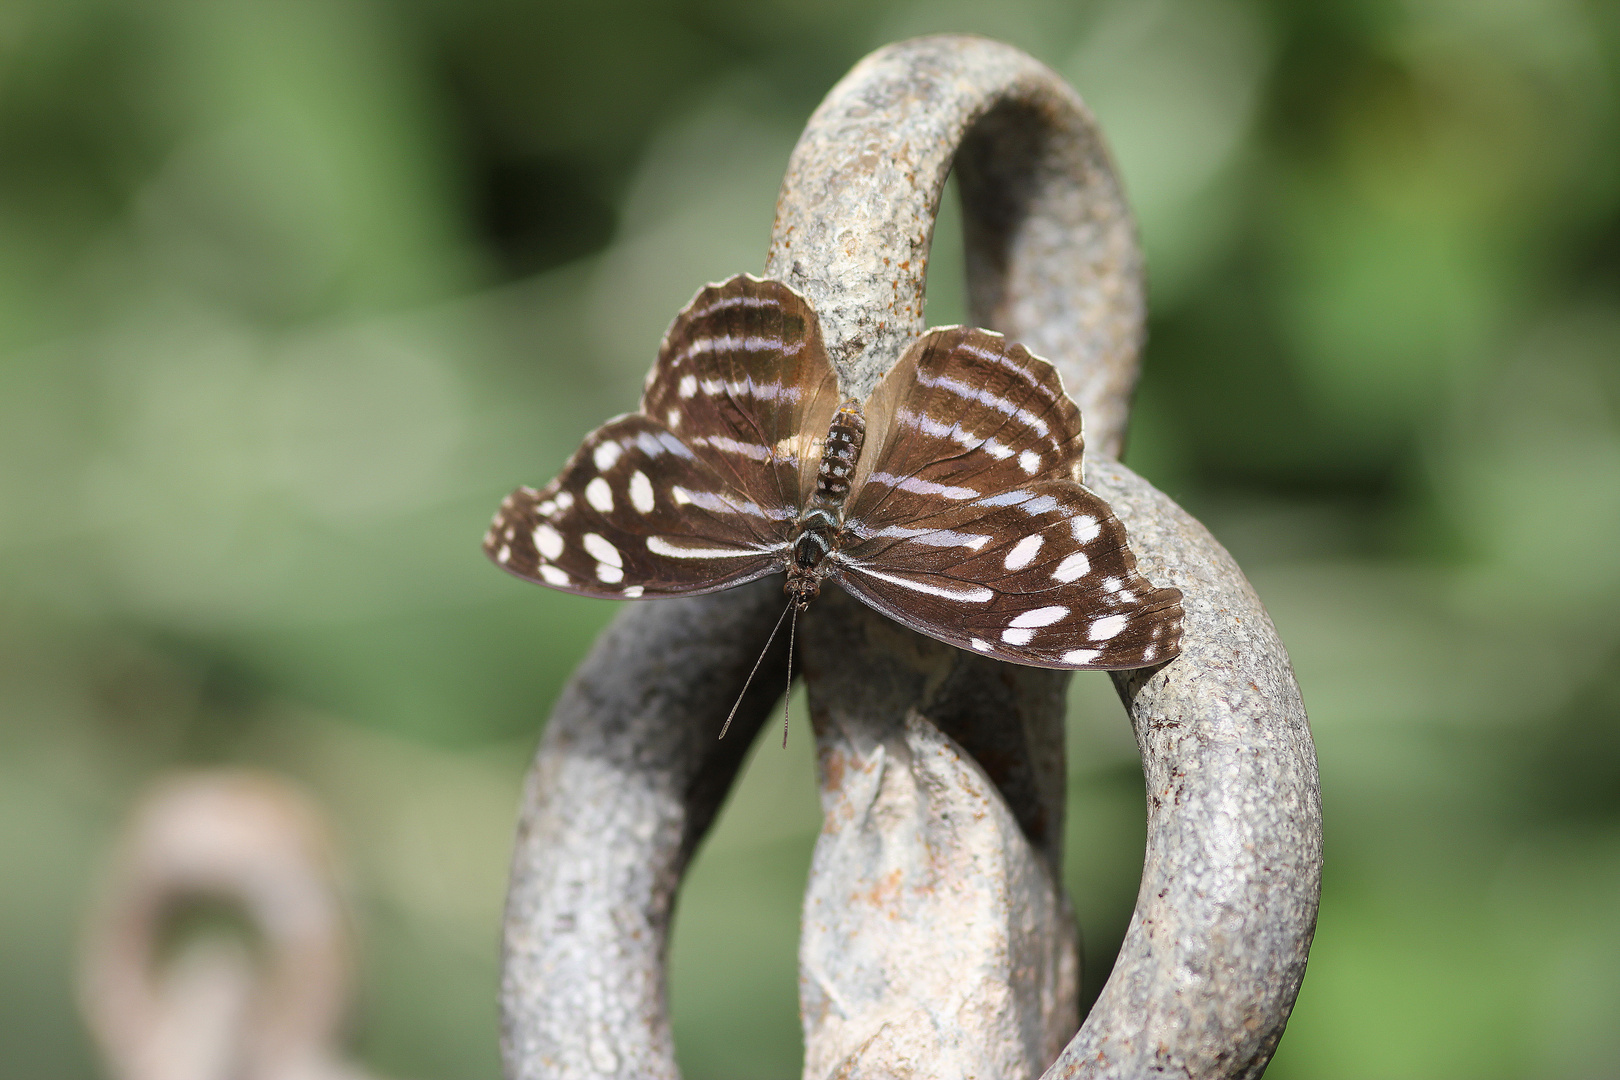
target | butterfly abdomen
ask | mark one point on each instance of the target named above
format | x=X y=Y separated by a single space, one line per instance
x=839 y=455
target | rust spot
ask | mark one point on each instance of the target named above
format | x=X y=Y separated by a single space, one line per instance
x=833 y=764
x=883 y=892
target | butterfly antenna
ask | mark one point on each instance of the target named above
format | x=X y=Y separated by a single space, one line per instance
x=793 y=628
x=748 y=681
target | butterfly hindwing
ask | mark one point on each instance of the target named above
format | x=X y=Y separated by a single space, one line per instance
x=1039 y=574
x=636 y=513
x=743 y=378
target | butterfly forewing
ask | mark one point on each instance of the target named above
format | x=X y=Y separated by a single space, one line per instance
x=699 y=491
x=636 y=513
x=743 y=378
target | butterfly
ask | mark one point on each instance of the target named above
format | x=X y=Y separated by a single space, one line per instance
x=950 y=500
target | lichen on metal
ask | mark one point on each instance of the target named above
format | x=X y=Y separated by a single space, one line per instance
x=936 y=939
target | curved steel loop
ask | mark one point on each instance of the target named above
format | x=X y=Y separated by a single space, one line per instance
x=936 y=938
x=1216 y=951
x=1052 y=257
x=269 y=1008
x=628 y=777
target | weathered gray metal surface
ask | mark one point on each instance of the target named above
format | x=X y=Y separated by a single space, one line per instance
x=627 y=779
x=936 y=940
x=1052 y=252
x=1216 y=948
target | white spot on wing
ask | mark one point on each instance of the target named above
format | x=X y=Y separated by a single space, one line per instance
x=1103 y=629
x=1041 y=616
x=1026 y=501
x=553 y=575
x=726 y=444
x=606 y=454
x=641 y=492
x=974 y=594
x=1023 y=552
x=1081 y=656
x=1020 y=636
x=1029 y=461
x=610 y=574
x=601 y=549
x=1085 y=528
x=565 y=500
x=721 y=504
x=981 y=645
x=633 y=591
x=688 y=386
x=599 y=495
x=1073 y=567
x=504 y=554
x=930 y=537
x=984 y=397
x=918 y=486
x=660 y=546
x=548 y=541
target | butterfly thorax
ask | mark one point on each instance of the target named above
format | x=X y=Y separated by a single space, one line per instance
x=820 y=527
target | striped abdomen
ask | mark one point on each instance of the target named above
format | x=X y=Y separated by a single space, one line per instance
x=838 y=456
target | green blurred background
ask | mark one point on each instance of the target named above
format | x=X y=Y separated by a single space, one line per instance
x=293 y=291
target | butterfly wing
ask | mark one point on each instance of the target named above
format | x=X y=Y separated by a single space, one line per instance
x=743 y=378
x=1037 y=575
x=700 y=490
x=636 y=513
x=969 y=408
x=968 y=524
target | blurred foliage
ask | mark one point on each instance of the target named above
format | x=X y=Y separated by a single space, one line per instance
x=293 y=291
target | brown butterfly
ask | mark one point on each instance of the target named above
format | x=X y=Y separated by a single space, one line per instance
x=950 y=500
